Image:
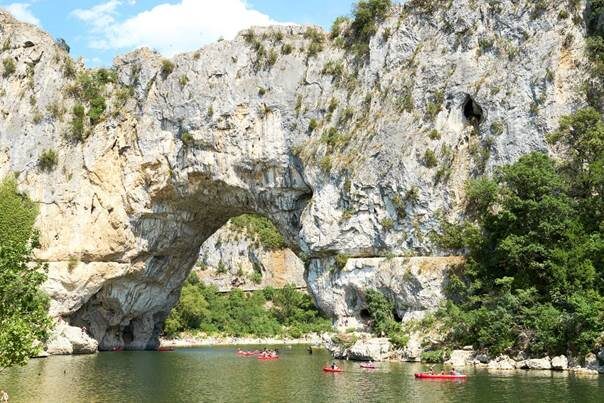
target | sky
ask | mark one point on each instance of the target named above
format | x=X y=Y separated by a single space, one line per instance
x=98 y=30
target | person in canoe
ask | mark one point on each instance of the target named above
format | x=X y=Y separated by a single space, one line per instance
x=454 y=372
x=431 y=371
x=334 y=366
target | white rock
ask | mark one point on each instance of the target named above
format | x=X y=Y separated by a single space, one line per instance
x=560 y=363
x=535 y=363
x=374 y=349
x=503 y=362
x=460 y=358
x=67 y=339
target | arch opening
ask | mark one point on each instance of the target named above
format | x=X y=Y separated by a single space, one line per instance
x=472 y=111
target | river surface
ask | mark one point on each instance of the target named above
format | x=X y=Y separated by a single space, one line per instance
x=216 y=374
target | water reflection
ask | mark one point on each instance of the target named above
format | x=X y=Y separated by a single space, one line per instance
x=217 y=374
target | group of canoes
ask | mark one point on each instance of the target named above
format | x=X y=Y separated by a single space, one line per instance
x=274 y=355
x=261 y=355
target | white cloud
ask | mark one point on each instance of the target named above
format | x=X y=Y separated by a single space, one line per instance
x=21 y=12
x=169 y=28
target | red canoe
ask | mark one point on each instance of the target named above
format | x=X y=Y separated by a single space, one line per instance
x=165 y=349
x=330 y=369
x=424 y=375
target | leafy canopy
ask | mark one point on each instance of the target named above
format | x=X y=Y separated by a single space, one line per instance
x=23 y=307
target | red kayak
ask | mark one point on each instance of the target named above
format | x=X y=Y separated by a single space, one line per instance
x=424 y=375
x=330 y=369
x=165 y=349
x=368 y=366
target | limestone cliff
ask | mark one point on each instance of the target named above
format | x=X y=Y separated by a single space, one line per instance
x=235 y=258
x=348 y=155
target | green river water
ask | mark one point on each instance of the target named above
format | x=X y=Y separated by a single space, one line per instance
x=216 y=374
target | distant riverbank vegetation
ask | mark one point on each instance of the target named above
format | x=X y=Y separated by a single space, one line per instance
x=265 y=313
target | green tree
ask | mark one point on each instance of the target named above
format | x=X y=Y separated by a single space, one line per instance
x=24 y=321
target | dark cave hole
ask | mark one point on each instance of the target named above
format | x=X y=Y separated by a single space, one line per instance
x=397 y=317
x=472 y=111
x=365 y=315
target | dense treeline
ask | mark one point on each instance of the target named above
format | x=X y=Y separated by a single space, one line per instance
x=270 y=312
x=534 y=279
x=23 y=307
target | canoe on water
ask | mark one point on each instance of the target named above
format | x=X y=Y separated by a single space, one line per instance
x=368 y=366
x=247 y=353
x=268 y=358
x=330 y=369
x=424 y=375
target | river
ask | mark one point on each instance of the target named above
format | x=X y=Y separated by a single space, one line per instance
x=216 y=374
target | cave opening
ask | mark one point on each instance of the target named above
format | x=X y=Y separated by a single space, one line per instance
x=365 y=315
x=472 y=111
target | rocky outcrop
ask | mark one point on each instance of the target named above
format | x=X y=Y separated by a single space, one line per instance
x=535 y=363
x=460 y=358
x=416 y=285
x=502 y=363
x=560 y=363
x=347 y=155
x=234 y=258
x=358 y=347
x=66 y=339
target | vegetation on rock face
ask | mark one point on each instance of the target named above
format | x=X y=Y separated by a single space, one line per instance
x=260 y=228
x=535 y=272
x=48 y=160
x=270 y=312
x=24 y=320
x=383 y=322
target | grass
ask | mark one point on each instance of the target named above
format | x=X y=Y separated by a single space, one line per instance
x=166 y=68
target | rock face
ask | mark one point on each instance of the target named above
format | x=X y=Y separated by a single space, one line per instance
x=416 y=285
x=231 y=258
x=535 y=363
x=339 y=152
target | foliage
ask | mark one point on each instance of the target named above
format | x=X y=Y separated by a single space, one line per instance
x=23 y=307
x=430 y=160
x=203 y=308
x=433 y=356
x=260 y=227
x=366 y=16
x=535 y=271
x=381 y=310
x=166 y=68
x=48 y=160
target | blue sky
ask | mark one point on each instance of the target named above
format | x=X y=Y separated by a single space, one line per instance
x=100 y=29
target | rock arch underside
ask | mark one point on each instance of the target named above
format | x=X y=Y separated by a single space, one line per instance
x=226 y=130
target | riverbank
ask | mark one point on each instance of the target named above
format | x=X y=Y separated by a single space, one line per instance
x=201 y=340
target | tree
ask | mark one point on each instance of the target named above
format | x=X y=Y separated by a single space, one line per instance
x=24 y=321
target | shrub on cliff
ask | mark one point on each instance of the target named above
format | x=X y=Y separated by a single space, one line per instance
x=260 y=227
x=23 y=307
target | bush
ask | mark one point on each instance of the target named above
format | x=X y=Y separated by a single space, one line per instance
x=312 y=125
x=48 y=160
x=77 y=131
x=433 y=357
x=387 y=224
x=9 y=67
x=325 y=164
x=430 y=160
x=166 y=68
x=367 y=14
x=187 y=138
